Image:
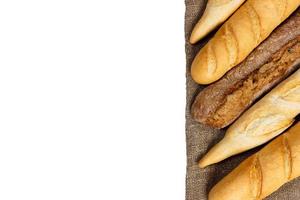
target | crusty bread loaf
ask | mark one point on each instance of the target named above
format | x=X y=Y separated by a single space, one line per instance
x=222 y=102
x=265 y=120
x=264 y=172
x=216 y=12
x=246 y=28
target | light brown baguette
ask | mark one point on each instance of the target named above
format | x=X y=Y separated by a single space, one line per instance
x=263 y=173
x=216 y=12
x=265 y=120
x=246 y=29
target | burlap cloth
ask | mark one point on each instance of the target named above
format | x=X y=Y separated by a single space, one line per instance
x=200 y=138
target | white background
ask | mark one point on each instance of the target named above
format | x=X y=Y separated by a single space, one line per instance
x=92 y=100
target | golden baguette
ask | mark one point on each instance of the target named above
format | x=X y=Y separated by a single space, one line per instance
x=265 y=120
x=246 y=29
x=216 y=12
x=263 y=173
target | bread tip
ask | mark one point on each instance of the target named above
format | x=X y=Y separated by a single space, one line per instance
x=200 y=74
x=198 y=33
x=197 y=76
x=202 y=163
x=193 y=40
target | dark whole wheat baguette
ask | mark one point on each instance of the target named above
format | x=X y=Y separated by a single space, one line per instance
x=222 y=102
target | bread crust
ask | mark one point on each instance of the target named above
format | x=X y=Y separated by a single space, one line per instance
x=264 y=172
x=216 y=12
x=210 y=100
x=252 y=23
x=266 y=119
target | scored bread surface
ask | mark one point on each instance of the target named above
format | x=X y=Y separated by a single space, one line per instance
x=246 y=28
x=264 y=172
x=262 y=122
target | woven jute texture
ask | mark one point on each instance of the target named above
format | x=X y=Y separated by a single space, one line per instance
x=200 y=138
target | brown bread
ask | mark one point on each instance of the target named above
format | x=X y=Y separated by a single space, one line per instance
x=265 y=120
x=224 y=101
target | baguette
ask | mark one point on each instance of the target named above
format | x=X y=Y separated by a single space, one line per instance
x=246 y=28
x=222 y=102
x=216 y=12
x=265 y=120
x=263 y=173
